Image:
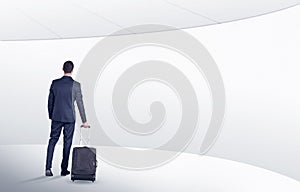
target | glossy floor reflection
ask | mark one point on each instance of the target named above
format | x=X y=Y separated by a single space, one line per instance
x=188 y=172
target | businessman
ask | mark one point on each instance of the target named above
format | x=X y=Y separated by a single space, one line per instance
x=63 y=93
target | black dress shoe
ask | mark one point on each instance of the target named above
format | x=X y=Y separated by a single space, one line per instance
x=65 y=173
x=48 y=173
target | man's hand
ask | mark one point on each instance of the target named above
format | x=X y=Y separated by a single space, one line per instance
x=86 y=125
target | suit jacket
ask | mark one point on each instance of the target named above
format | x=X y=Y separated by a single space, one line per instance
x=63 y=93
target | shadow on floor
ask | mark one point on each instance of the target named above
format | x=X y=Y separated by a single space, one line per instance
x=39 y=179
x=81 y=182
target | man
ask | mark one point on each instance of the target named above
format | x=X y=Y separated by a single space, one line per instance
x=63 y=93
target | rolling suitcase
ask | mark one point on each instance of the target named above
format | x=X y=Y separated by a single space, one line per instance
x=84 y=163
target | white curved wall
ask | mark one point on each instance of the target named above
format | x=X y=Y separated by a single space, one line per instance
x=258 y=59
x=57 y=19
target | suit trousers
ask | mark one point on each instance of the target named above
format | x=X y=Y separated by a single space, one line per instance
x=68 y=131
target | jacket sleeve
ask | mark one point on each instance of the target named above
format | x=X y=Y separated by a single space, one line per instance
x=50 y=101
x=79 y=102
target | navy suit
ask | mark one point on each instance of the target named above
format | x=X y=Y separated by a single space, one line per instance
x=63 y=93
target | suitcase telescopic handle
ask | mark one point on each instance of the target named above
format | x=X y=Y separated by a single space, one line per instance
x=81 y=138
x=83 y=126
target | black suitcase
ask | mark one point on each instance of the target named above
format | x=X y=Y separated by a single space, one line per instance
x=84 y=164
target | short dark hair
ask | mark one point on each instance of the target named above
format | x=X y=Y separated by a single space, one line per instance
x=68 y=67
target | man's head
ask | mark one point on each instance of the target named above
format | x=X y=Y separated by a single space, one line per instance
x=68 y=67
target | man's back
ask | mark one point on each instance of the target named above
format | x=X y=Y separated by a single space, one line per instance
x=63 y=93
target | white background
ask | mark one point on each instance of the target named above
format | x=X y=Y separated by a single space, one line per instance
x=258 y=59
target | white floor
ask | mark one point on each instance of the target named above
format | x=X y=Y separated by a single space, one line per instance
x=22 y=169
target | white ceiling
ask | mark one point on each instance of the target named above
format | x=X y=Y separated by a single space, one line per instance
x=57 y=19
